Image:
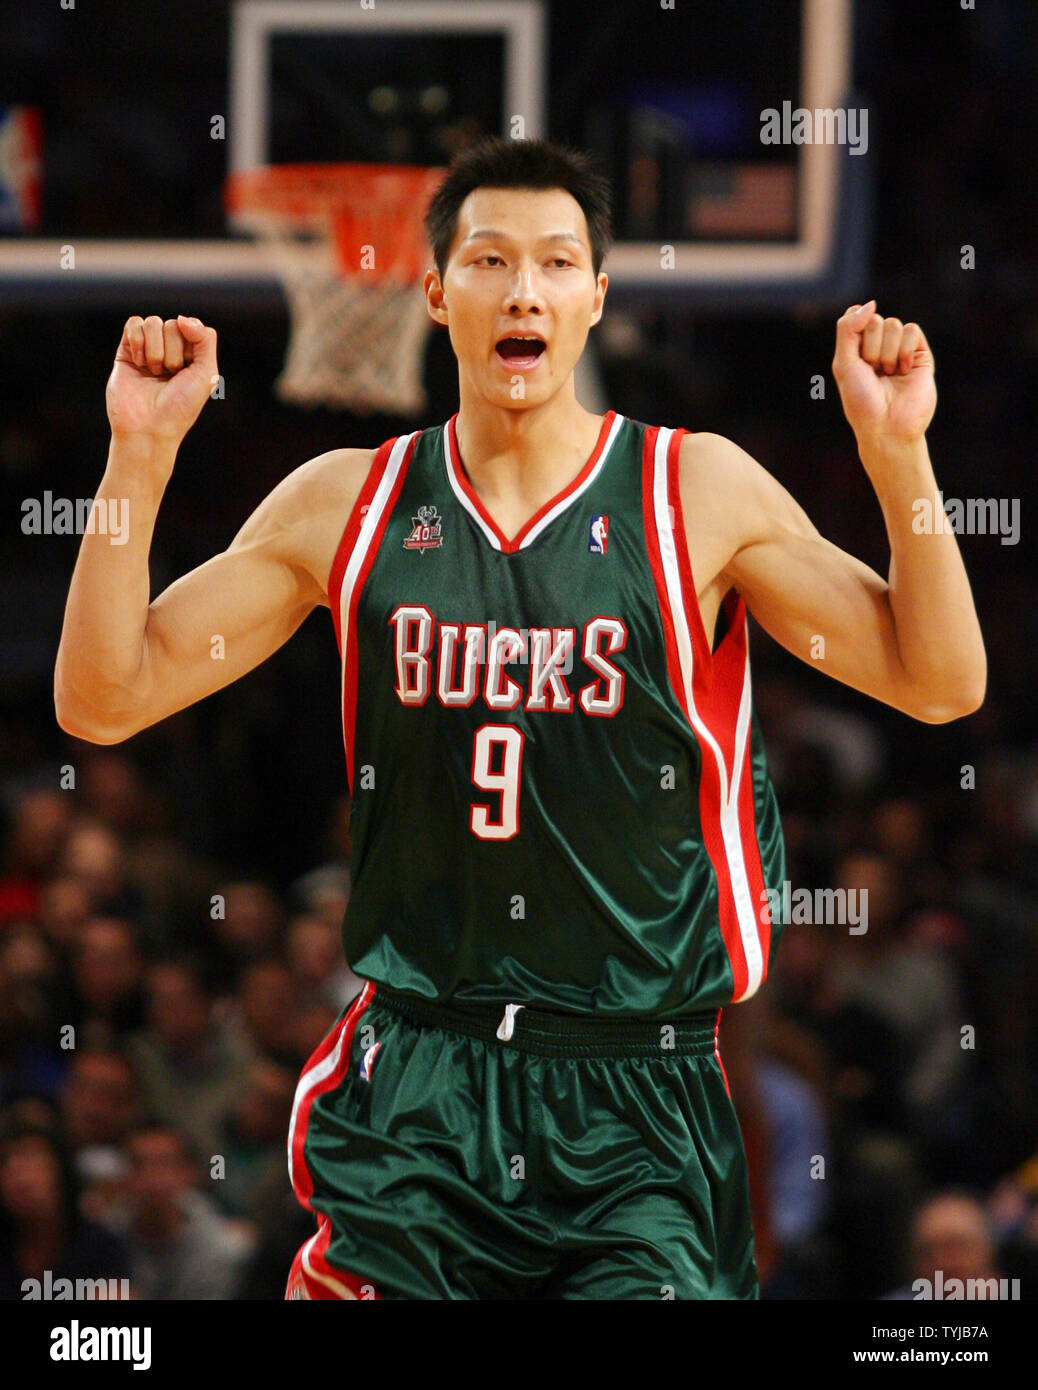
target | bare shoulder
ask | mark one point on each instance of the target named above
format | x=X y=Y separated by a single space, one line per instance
x=719 y=485
x=327 y=488
x=707 y=460
x=306 y=513
x=730 y=502
x=326 y=482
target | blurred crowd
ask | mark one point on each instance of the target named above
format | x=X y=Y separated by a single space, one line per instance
x=156 y=1010
x=885 y=1078
x=154 y=1018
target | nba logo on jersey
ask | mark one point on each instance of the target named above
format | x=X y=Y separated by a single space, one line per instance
x=368 y=1062
x=599 y=535
x=425 y=530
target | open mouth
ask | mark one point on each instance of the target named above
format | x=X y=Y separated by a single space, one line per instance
x=520 y=352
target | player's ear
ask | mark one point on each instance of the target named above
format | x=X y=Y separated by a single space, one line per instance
x=434 y=300
x=599 y=300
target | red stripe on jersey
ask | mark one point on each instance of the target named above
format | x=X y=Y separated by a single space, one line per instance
x=302 y=1284
x=351 y=530
x=730 y=671
x=701 y=654
x=752 y=859
x=362 y=1289
x=718 y=673
x=509 y=546
x=710 y=775
x=717 y=1054
x=349 y=692
x=720 y=713
x=719 y=710
x=338 y=1043
x=656 y=563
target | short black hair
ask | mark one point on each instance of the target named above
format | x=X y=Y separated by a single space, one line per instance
x=154 y=1124
x=15 y=1130
x=535 y=164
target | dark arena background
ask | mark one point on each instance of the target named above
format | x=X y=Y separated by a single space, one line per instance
x=885 y=1081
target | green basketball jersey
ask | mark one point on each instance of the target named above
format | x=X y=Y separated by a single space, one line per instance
x=559 y=792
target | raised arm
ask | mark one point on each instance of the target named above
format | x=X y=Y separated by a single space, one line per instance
x=912 y=640
x=124 y=663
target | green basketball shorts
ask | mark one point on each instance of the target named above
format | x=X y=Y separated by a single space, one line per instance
x=482 y=1152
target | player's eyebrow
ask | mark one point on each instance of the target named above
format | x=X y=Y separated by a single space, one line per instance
x=496 y=234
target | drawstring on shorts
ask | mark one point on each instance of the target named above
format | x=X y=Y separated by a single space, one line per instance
x=506 y=1027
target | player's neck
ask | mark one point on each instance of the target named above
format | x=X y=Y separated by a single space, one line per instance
x=524 y=453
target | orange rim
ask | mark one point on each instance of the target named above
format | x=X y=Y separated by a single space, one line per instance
x=373 y=212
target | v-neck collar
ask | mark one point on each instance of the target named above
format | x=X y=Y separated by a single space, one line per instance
x=544 y=516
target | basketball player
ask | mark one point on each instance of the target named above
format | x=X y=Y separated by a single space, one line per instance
x=564 y=831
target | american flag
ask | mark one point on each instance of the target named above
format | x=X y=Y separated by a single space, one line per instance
x=733 y=200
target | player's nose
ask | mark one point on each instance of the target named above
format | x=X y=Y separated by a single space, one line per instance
x=524 y=291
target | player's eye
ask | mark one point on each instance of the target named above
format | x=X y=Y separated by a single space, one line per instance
x=490 y=257
x=561 y=260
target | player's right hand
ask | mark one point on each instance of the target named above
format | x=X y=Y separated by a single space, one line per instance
x=162 y=377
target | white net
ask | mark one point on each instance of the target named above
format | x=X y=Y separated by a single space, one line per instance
x=357 y=335
x=354 y=345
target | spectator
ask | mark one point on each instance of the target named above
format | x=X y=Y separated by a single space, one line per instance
x=313 y=950
x=909 y=992
x=63 y=908
x=111 y=790
x=252 y=1143
x=40 y=825
x=42 y=1234
x=107 y=968
x=325 y=892
x=312 y=1021
x=94 y=856
x=1013 y=1212
x=98 y=1098
x=188 y=1064
x=30 y=1062
x=102 y=1171
x=951 y=1239
x=799 y=1177
x=245 y=929
x=268 y=1010
x=180 y=1246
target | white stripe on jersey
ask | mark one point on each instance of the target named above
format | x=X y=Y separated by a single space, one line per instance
x=732 y=839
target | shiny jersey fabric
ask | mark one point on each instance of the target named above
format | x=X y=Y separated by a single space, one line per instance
x=560 y=794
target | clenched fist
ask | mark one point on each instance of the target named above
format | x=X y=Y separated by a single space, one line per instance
x=163 y=375
x=884 y=371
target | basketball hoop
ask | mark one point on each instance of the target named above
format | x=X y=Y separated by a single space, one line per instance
x=349 y=247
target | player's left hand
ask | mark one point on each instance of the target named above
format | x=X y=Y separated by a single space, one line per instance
x=884 y=372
